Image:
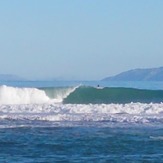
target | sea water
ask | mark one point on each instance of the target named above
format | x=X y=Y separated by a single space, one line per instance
x=77 y=121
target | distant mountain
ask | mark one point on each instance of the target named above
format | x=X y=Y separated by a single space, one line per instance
x=9 y=77
x=150 y=74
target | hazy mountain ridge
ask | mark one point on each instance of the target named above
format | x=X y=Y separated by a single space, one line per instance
x=10 y=77
x=150 y=74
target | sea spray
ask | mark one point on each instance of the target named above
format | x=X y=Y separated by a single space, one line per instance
x=14 y=95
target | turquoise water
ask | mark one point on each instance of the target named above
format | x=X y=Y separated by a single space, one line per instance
x=36 y=128
x=106 y=95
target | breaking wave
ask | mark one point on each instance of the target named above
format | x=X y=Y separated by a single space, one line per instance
x=78 y=95
x=14 y=95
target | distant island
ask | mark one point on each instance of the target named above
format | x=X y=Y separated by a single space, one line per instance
x=9 y=77
x=149 y=74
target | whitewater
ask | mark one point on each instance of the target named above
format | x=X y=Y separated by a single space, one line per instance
x=15 y=95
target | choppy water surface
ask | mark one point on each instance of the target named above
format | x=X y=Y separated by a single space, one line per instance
x=81 y=144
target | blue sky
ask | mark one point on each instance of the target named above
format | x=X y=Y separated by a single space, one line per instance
x=79 y=39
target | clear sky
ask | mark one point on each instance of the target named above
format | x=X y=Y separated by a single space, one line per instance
x=79 y=39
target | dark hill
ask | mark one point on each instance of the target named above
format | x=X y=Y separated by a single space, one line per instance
x=151 y=74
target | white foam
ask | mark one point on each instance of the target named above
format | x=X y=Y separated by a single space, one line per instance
x=128 y=113
x=156 y=138
x=12 y=95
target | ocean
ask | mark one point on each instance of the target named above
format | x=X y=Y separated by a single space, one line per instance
x=81 y=121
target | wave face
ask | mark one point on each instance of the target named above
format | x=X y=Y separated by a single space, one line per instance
x=86 y=95
x=58 y=94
